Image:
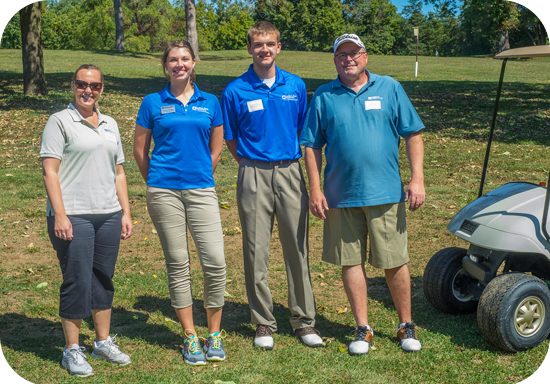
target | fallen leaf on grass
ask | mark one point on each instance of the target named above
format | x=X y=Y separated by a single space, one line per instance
x=227 y=294
x=9 y=175
x=30 y=245
x=373 y=348
x=154 y=231
x=30 y=270
x=321 y=275
x=42 y=285
x=237 y=229
x=154 y=275
x=223 y=382
x=340 y=311
x=16 y=222
x=225 y=206
x=320 y=308
x=141 y=273
x=342 y=349
x=224 y=202
x=25 y=235
x=168 y=320
x=234 y=185
x=135 y=222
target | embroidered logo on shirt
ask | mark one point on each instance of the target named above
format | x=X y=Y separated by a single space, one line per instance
x=200 y=109
x=375 y=98
x=290 y=97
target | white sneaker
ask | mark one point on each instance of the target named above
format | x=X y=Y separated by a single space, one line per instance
x=263 y=338
x=309 y=336
x=407 y=337
x=363 y=338
x=75 y=361
x=109 y=351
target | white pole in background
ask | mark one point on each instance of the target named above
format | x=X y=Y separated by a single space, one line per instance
x=415 y=30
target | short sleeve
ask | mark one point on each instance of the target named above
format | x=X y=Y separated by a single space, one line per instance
x=218 y=117
x=230 y=124
x=407 y=119
x=145 y=117
x=313 y=134
x=54 y=138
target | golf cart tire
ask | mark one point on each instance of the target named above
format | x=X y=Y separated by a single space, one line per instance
x=514 y=312
x=439 y=278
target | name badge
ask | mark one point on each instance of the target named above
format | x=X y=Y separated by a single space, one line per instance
x=372 y=104
x=168 y=109
x=255 y=105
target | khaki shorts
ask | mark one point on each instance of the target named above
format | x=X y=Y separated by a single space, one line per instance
x=346 y=231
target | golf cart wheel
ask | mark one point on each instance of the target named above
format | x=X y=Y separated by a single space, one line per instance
x=514 y=312
x=445 y=282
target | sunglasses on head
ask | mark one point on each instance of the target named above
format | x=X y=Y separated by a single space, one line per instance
x=81 y=84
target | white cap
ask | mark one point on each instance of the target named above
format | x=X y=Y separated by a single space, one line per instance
x=348 y=38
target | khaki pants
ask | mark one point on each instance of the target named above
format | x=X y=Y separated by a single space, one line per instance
x=263 y=192
x=172 y=210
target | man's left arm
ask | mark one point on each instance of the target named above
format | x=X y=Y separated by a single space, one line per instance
x=415 y=152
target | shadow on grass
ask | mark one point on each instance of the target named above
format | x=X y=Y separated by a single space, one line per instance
x=460 y=109
x=462 y=329
x=236 y=318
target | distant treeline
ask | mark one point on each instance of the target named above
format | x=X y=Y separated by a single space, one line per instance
x=476 y=27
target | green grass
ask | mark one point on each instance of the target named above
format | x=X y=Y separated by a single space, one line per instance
x=454 y=97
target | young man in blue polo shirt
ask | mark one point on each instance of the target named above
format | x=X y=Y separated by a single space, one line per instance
x=264 y=111
x=360 y=118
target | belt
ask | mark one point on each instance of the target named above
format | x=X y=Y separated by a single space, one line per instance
x=279 y=162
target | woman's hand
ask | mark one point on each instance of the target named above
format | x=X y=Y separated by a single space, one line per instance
x=63 y=227
x=127 y=227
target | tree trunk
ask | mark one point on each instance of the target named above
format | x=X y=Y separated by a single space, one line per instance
x=119 y=44
x=34 y=80
x=191 y=26
x=504 y=43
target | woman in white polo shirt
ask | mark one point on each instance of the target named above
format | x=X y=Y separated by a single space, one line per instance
x=186 y=126
x=87 y=214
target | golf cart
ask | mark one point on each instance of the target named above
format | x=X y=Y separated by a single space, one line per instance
x=508 y=233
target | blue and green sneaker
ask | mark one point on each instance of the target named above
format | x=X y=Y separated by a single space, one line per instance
x=192 y=353
x=214 y=346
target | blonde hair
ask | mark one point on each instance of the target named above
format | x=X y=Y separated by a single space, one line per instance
x=262 y=28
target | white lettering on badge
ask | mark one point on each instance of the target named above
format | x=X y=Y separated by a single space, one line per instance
x=372 y=104
x=168 y=109
x=255 y=105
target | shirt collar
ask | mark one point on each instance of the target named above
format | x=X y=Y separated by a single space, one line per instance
x=336 y=83
x=78 y=117
x=256 y=82
x=165 y=94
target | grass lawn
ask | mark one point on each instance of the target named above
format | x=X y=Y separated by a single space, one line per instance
x=454 y=97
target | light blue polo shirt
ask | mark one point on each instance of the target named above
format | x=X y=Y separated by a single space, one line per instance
x=181 y=157
x=265 y=120
x=361 y=132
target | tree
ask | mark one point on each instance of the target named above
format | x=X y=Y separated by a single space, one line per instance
x=119 y=23
x=34 y=79
x=191 y=26
x=306 y=25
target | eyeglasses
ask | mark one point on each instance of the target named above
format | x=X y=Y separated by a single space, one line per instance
x=353 y=55
x=81 y=84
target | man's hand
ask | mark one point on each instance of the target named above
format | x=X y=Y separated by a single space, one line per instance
x=318 y=202
x=127 y=227
x=415 y=194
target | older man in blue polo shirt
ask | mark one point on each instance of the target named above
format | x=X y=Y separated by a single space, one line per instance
x=359 y=119
x=264 y=112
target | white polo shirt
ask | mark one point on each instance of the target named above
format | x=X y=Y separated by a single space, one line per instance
x=88 y=157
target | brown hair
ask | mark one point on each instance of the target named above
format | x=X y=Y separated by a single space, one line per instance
x=178 y=44
x=88 y=67
x=262 y=28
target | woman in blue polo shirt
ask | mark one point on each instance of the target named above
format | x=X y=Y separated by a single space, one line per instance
x=186 y=126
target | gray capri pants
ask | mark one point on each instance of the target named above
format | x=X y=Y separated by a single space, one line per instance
x=87 y=263
x=172 y=211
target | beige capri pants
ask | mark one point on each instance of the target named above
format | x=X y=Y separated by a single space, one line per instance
x=172 y=211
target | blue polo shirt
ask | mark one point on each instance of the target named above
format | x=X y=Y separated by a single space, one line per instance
x=361 y=132
x=265 y=120
x=181 y=157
